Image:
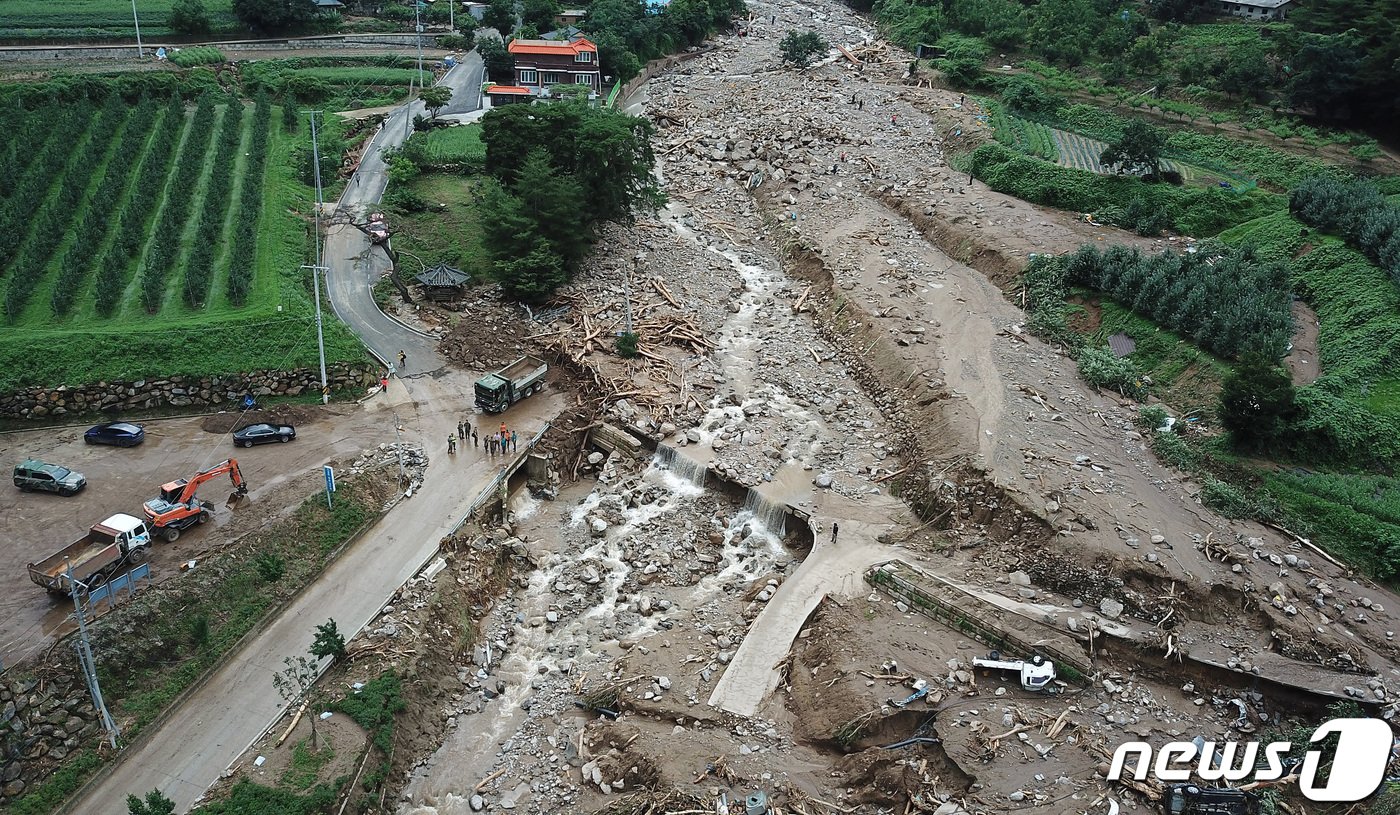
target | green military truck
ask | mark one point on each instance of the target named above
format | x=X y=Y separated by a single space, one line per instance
x=498 y=391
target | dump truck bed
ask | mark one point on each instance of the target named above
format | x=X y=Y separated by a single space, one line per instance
x=89 y=555
x=521 y=368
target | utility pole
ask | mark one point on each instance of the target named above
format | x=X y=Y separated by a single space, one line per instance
x=398 y=438
x=140 y=52
x=637 y=262
x=408 y=110
x=84 y=648
x=318 y=267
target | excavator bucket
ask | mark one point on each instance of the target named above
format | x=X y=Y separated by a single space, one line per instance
x=236 y=499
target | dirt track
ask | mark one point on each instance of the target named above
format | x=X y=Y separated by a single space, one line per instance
x=120 y=480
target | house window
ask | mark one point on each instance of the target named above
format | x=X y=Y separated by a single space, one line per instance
x=528 y=76
x=591 y=80
x=583 y=56
x=551 y=78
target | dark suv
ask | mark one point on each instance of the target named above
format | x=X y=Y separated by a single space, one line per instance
x=1189 y=799
x=36 y=475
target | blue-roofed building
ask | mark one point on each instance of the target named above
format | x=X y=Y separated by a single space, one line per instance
x=655 y=6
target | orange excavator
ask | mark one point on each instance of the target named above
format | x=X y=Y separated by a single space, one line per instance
x=178 y=508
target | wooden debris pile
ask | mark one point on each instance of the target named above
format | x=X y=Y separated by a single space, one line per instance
x=586 y=335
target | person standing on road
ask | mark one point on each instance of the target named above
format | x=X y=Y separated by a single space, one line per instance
x=475 y=440
x=834 y=530
x=403 y=358
x=513 y=439
x=466 y=428
x=459 y=431
x=451 y=443
x=503 y=430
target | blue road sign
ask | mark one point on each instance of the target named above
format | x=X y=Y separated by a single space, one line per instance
x=330 y=482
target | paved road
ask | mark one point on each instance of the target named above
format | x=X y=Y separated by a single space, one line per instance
x=211 y=728
x=356 y=265
x=830 y=568
x=216 y=724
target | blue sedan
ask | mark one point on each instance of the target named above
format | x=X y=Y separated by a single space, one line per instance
x=117 y=434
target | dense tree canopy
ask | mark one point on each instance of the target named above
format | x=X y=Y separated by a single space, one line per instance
x=628 y=36
x=275 y=15
x=560 y=169
x=801 y=47
x=188 y=17
x=1138 y=150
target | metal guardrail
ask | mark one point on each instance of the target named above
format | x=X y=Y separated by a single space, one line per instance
x=968 y=622
x=507 y=470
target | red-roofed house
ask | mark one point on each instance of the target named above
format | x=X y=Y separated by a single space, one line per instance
x=540 y=64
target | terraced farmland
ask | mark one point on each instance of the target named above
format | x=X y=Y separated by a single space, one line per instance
x=98 y=19
x=158 y=238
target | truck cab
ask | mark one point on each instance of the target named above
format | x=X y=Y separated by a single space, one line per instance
x=492 y=394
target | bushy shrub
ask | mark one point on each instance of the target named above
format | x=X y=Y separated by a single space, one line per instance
x=1357 y=211
x=1101 y=367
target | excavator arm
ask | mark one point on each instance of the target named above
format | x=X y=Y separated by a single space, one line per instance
x=226 y=467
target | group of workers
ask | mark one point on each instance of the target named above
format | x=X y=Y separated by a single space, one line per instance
x=499 y=443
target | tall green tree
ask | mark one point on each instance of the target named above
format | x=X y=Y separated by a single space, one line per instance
x=328 y=641
x=799 y=48
x=539 y=13
x=1324 y=75
x=155 y=803
x=1374 y=28
x=1001 y=23
x=500 y=15
x=500 y=65
x=555 y=201
x=1065 y=30
x=275 y=15
x=1257 y=403
x=1138 y=150
x=435 y=98
x=188 y=17
x=607 y=151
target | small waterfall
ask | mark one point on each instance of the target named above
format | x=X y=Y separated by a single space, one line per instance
x=683 y=466
x=771 y=514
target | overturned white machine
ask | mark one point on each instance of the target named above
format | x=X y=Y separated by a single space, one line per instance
x=1036 y=674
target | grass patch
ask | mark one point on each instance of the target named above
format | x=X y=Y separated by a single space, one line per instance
x=233 y=595
x=449 y=145
x=1355 y=518
x=449 y=228
x=306 y=764
x=1201 y=212
x=347 y=75
x=57 y=787
x=247 y=798
x=374 y=706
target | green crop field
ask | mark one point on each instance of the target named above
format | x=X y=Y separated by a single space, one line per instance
x=43 y=19
x=364 y=76
x=153 y=239
x=446 y=145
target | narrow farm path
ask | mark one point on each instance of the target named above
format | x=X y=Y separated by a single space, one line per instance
x=85 y=303
x=130 y=307
x=218 y=293
x=39 y=311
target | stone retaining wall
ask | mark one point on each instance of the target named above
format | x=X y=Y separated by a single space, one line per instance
x=40 y=724
x=176 y=391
